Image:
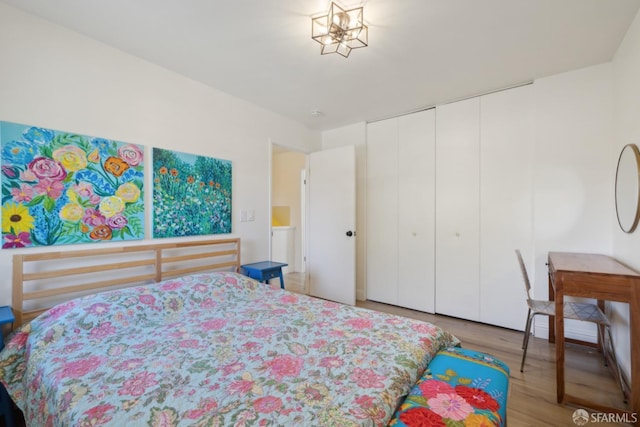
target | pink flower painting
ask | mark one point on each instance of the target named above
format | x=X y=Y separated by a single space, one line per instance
x=59 y=188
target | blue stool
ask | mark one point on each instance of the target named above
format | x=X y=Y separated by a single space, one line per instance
x=6 y=406
x=264 y=270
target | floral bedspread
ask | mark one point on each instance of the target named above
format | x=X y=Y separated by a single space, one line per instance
x=214 y=350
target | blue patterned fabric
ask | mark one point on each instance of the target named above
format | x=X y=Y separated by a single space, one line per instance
x=459 y=387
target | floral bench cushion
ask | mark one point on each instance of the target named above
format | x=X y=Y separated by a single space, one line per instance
x=460 y=387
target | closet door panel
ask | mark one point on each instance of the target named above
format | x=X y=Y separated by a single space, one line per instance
x=506 y=203
x=457 y=209
x=416 y=211
x=382 y=211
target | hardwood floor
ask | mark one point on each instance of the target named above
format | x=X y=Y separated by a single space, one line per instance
x=532 y=394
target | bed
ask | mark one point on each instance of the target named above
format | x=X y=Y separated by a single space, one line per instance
x=204 y=349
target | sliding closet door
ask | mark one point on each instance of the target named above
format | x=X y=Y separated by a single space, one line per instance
x=506 y=203
x=458 y=209
x=400 y=210
x=416 y=205
x=382 y=211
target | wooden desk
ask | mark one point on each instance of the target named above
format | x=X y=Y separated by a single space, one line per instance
x=603 y=278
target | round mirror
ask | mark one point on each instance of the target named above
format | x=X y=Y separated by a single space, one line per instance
x=628 y=188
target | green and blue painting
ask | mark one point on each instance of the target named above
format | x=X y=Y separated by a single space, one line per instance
x=191 y=194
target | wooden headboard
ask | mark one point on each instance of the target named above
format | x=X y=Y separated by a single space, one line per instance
x=41 y=280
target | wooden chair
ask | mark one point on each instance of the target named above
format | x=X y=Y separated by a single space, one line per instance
x=586 y=312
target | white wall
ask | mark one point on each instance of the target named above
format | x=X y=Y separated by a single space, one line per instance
x=626 y=100
x=573 y=177
x=52 y=77
x=355 y=134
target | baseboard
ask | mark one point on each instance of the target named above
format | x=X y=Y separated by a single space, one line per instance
x=542 y=331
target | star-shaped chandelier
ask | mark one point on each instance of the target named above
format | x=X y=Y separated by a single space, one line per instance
x=340 y=30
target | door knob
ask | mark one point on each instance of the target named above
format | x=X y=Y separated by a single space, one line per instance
x=350 y=233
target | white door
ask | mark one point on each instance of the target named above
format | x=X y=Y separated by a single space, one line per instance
x=382 y=211
x=458 y=209
x=416 y=207
x=332 y=224
x=506 y=203
x=400 y=211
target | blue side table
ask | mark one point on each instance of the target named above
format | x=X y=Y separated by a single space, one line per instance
x=6 y=316
x=264 y=270
x=6 y=406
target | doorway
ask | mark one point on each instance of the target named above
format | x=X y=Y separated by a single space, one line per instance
x=288 y=214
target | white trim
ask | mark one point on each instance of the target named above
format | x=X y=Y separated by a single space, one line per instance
x=541 y=330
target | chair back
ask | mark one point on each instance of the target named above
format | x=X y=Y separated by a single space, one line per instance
x=525 y=276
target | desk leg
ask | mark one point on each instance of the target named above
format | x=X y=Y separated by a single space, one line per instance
x=281 y=280
x=634 y=331
x=559 y=333
x=552 y=320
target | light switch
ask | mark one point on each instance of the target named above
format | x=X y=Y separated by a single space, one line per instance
x=251 y=215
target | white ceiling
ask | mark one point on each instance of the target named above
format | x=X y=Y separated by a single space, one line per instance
x=421 y=52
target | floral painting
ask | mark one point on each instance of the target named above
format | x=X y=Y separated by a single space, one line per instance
x=191 y=194
x=62 y=188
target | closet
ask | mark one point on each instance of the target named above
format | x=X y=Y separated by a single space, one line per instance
x=449 y=198
x=458 y=209
x=484 y=206
x=400 y=210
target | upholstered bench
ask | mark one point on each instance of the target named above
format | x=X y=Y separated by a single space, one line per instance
x=459 y=386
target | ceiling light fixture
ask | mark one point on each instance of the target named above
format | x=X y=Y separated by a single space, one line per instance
x=340 y=30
